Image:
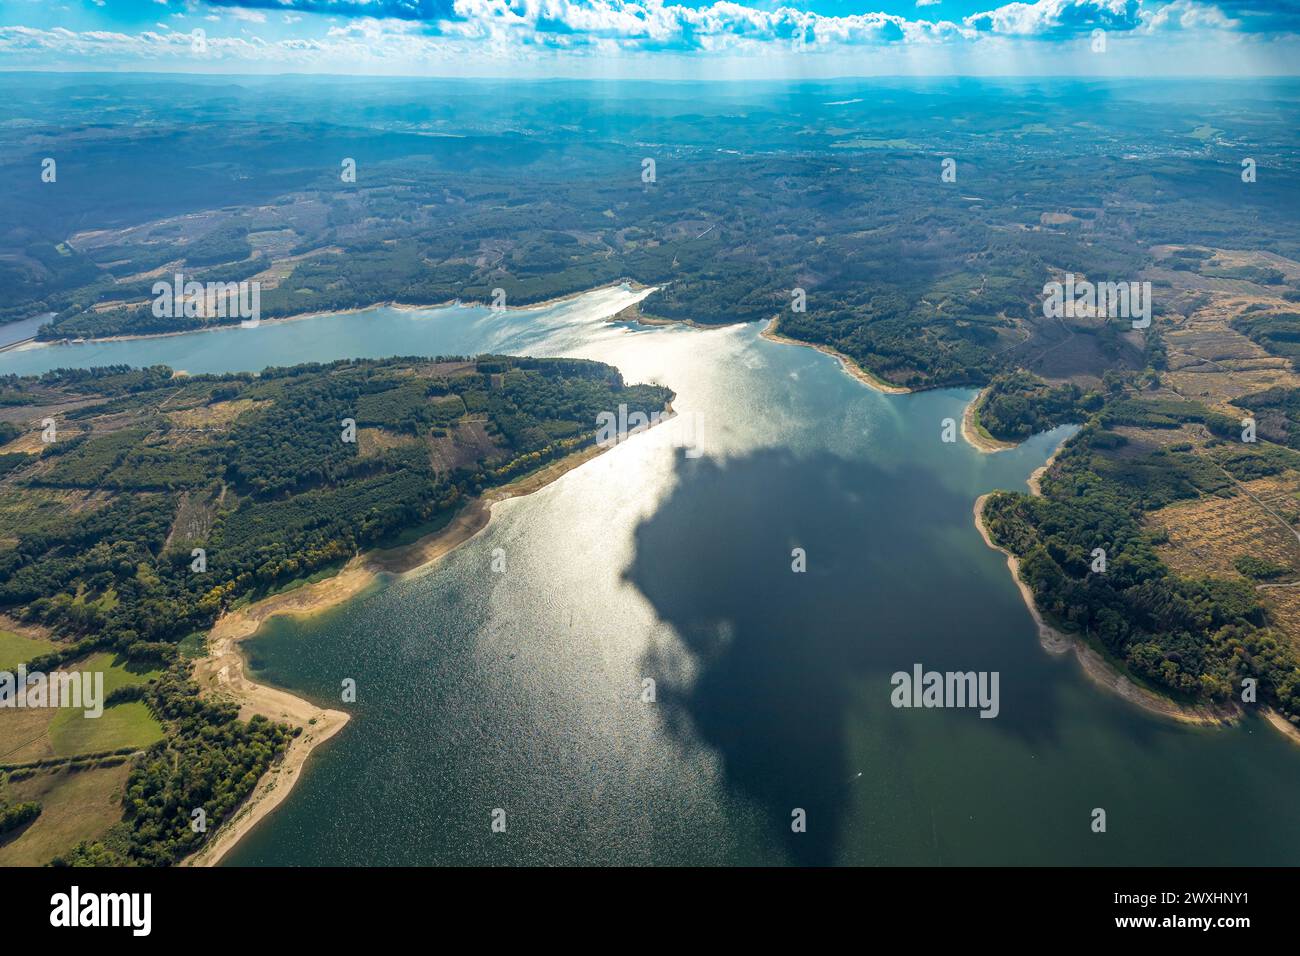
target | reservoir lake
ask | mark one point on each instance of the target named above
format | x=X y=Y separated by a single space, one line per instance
x=523 y=690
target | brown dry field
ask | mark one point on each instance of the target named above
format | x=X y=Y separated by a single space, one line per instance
x=1232 y=258
x=375 y=441
x=29 y=442
x=25 y=734
x=1283 y=605
x=467 y=442
x=76 y=805
x=1211 y=362
x=218 y=415
x=1143 y=441
x=1279 y=492
x=1181 y=280
x=1207 y=535
x=281 y=268
x=195 y=515
x=440 y=369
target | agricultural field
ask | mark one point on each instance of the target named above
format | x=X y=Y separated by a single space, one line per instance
x=28 y=735
x=128 y=724
x=373 y=442
x=76 y=804
x=18 y=648
x=1283 y=603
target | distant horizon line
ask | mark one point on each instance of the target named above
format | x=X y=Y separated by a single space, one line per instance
x=1161 y=78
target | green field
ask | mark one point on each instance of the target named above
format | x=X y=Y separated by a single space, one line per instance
x=18 y=649
x=117 y=672
x=128 y=724
x=124 y=725
x=67 y=732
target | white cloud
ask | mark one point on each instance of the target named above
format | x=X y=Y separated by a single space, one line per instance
x=1188 y=15
x=1056 y=16
x=515 y=30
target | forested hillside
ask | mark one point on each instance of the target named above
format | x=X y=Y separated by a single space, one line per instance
x=1193 y=630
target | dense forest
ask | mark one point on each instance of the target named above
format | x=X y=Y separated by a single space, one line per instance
x=274 y=476
x=1018 y=404
x=1194 y=636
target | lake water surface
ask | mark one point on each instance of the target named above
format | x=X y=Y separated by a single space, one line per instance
x=523 y=690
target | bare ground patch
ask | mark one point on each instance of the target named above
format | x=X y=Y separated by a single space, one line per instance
x=1207 y=536
x=465 y=444
x=372 y=442
x=215 y=417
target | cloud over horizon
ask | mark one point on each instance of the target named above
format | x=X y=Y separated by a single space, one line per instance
x=404 y=36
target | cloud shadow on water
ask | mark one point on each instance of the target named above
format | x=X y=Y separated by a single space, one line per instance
x=771 y=664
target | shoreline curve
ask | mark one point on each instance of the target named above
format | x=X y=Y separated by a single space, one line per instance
x=34 y=342
x=223 y=670
x=772 y=334
x=974 y=433
x=1099 y=670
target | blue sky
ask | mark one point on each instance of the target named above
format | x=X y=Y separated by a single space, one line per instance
x=656 y=38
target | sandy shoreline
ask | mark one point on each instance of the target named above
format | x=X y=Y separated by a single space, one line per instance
x=772 y=334
x=974 y=434
x=1281 y=724
x=14 y=345
x=1035 y=479
x=301 y=316
x=222 y=673
x=1099 y=670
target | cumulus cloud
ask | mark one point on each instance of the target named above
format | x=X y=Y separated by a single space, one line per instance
x=1188 y=15
x=443 y=30
x=655 y=22
x=1056 y=17
x=1064 y=18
